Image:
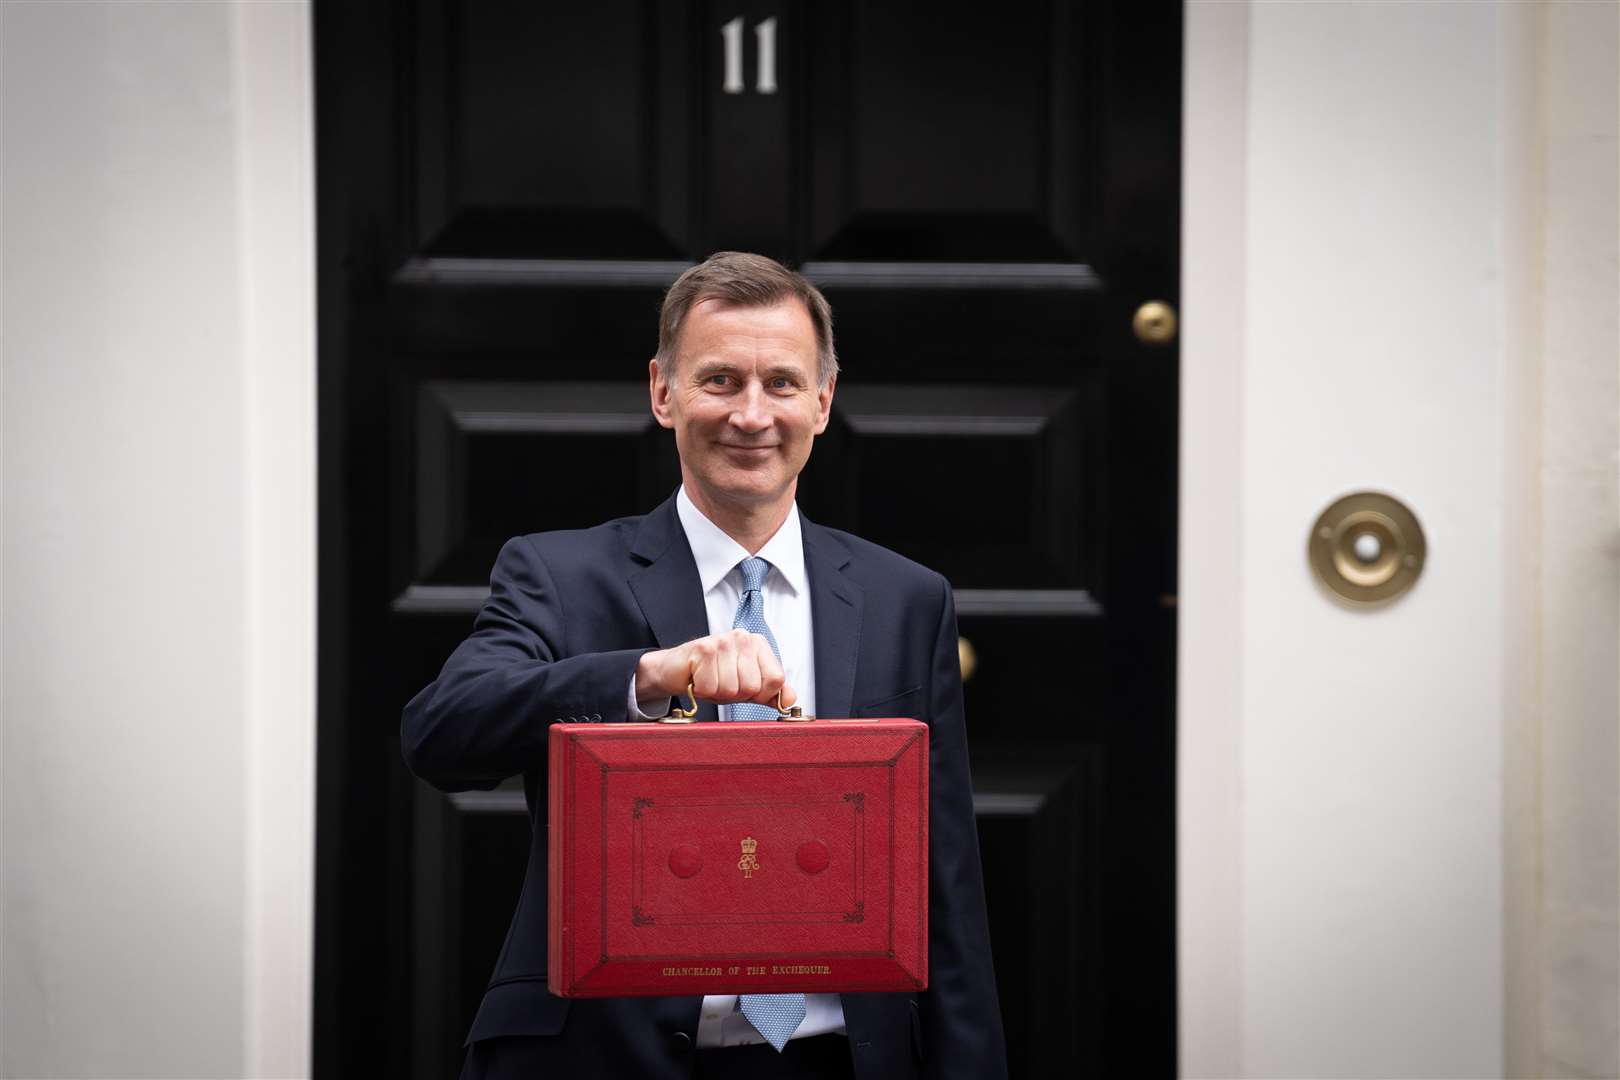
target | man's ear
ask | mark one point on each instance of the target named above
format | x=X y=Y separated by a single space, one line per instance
x=658 y=391
x=824 y=398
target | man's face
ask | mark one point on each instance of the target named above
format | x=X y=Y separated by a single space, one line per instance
x=743 y=400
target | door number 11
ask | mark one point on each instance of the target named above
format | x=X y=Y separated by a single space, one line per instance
x=765 y=82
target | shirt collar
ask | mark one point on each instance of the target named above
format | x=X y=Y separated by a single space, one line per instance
x=717 y=554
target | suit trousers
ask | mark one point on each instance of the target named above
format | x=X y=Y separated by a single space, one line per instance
x=821 y=1057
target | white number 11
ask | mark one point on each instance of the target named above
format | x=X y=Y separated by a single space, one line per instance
x=765 y=82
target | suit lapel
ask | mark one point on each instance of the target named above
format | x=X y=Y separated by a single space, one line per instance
x=667 y=586
x=835 y=609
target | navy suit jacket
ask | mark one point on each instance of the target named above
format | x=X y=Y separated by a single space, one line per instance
x=569 y=614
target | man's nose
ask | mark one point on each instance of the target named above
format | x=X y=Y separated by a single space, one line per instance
x=752 y=412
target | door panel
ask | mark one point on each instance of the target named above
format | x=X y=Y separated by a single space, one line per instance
x=1014 y=464
x=487 y=466
x=950 y=133
x=505 y=190
x=524 y=151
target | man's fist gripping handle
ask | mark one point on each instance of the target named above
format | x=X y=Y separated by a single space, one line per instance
x=722 y=668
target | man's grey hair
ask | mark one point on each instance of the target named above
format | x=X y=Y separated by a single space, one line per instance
x=738 y=277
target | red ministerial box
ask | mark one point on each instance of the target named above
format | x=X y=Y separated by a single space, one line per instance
x=741 y=857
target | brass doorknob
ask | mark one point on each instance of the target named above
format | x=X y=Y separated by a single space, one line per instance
x=1155 y=323
x=968 y=657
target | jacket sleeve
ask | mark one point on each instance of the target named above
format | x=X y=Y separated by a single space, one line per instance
x=485 y=717
x=960 y=1013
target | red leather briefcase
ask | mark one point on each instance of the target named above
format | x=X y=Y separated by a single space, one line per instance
x=741 y=857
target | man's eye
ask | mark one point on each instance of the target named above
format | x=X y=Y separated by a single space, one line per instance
x=718 y=380
x=781 y=383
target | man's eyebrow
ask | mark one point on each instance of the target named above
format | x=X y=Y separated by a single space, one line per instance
x=712 y=367
x=704 y=369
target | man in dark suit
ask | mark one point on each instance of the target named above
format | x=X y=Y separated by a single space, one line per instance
x=727 y=588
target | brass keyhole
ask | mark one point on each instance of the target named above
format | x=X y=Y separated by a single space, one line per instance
x=1155 y=323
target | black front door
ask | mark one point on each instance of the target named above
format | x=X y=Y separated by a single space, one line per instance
x=986 y=195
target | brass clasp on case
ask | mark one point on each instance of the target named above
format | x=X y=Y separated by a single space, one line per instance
x=678 y=715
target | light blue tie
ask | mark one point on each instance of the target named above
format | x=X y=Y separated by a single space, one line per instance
x=775 y=1016
x=751 y=617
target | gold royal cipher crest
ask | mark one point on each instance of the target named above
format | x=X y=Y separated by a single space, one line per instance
x=748 y=863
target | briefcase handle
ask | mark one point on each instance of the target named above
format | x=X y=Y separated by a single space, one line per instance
x=678 y=715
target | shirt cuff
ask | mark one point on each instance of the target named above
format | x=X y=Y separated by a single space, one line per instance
x=635 y=710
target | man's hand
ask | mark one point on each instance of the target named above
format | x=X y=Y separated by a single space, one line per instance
x=722 y=668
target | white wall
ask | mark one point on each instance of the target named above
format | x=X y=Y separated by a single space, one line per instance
x=158 y=558
x=1398 y=828
x=1570 y=851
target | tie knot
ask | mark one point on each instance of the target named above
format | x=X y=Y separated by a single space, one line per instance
x=753 y=570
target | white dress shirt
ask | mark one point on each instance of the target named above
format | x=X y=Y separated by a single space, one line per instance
x=787 y=613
